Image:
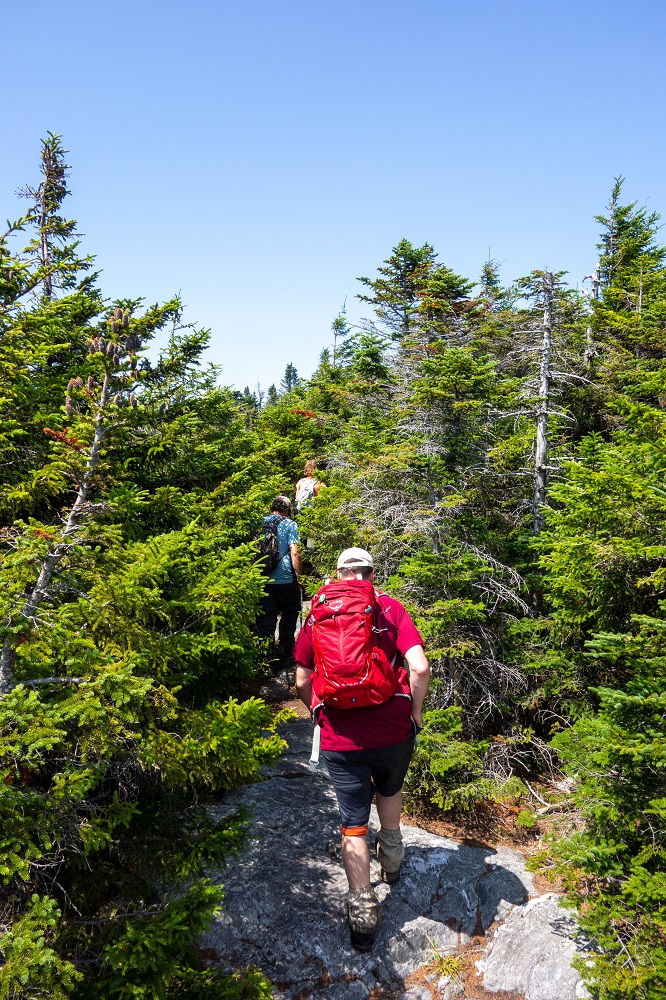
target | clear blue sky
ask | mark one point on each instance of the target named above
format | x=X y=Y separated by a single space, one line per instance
x=258 y=156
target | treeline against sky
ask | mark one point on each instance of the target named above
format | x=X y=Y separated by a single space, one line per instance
x=501 y=450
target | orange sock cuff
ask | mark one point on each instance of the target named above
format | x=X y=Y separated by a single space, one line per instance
x=354 y=831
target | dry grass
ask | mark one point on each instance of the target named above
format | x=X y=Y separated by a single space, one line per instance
x=463 y=962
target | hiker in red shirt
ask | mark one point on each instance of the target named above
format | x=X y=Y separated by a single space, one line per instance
x=366 y=750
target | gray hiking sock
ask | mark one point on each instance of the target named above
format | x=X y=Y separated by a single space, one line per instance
x=390 y=849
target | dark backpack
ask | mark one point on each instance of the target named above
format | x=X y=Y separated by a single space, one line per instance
x=267 y=545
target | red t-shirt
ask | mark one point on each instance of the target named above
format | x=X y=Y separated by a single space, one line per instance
x=380 y=725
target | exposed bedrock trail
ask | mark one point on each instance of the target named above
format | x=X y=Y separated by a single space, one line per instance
x=284 y=908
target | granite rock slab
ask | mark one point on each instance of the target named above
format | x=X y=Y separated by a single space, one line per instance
x=285 y=898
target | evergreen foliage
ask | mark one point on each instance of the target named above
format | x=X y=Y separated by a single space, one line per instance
x=615 y=866
x=127 y=599
x=536 y=577
x=499 y=448
x=290 y=378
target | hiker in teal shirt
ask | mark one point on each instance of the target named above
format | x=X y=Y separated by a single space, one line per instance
x=283 y=588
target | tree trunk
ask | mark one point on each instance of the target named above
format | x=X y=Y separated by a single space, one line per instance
x=541 y=454
x=590 y=351
x=40 y=591
x=45 y=250
x=434 y=504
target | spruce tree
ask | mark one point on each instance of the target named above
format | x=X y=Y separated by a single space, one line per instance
x=53 y=248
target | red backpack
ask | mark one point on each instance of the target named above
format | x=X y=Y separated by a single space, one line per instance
x=350 y=670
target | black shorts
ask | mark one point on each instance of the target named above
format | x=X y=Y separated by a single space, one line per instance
x=358 y=774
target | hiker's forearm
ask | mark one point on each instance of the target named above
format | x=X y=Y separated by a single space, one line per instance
x=304 y=684
x=419 y=691
x=296 y=560
x=419 y=679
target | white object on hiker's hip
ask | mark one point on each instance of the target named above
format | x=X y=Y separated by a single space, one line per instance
x=316 y=740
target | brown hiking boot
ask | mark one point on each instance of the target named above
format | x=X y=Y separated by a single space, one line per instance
x=390 y=852
x=363 y=917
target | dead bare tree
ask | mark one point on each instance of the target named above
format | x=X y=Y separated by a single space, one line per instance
x=541 y=450
x=593 y=296
x=545 y=360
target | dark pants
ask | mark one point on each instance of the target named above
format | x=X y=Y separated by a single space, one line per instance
x=284 y=599
x=357 y=774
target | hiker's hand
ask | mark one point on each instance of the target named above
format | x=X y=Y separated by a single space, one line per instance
x=418 y=719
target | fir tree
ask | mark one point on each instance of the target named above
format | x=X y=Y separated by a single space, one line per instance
x=341 y=330
x=290 y=379
x=271 y=395
x=628 y=241
x=413 y=290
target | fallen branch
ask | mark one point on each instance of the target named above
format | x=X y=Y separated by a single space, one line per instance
x=538 y=797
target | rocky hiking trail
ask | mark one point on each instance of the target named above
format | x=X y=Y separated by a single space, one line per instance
x=463 y=921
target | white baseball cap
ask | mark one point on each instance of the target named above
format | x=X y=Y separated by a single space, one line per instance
x=353 y=558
